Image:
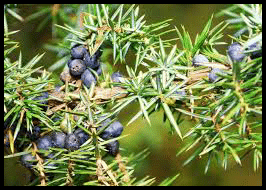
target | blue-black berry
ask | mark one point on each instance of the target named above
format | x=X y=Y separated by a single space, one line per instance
x=44 y=95
x=104 y=123
x=36 y=130
x=91 y=62
x=58 y=139
x=212 y=75
x=76 y=67
x=78 y=52
x=87 y=78
x=44 y=142
x=82 y=136
x=257 y=51
x=235 y=52
x=113 y=148
x=197 y=59
x=72 y=142
x=98 y=70
x=98 y=54
x=50 y=165
x=113 y=130
x=116 y=77
x=28 y=160
x=180 y=92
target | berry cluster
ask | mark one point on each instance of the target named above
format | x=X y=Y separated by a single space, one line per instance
x=81 y=67
x=236 y=53
x=80 y=64
x=70 y=141
x=111 y=130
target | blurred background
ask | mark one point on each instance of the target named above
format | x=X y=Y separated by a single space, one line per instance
x=163 y=146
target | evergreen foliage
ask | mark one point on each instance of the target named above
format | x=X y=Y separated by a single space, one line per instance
x=69 y=134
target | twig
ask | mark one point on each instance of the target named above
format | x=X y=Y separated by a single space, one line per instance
x=70 y=173
x=122 y=168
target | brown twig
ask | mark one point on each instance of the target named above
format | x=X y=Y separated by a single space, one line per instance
x=122 y=168
x=70 y=173
x=39 y=165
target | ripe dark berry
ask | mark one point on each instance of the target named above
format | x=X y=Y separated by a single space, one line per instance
x=104 y=123
x=180 y=92
x=113 y=130
x=50 y=165
x=28 y=160
x=83 y=137
x=72 y=142
x=98 y=54
x=257 y=51
x=58 y=139
x=199 y=59
x=99 y=70
x=212 y=75
x=235 y=52
x=44 y=95
x=113 y=148
x=91 y=61
x=87 y=78
x=116 y=77
x=78 y=52
x=36 y=130
x=44 y=142
x=76 y=67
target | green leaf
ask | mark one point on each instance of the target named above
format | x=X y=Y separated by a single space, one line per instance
x=207 y=149
x=70 y=29
x=168 y=181
x=33 y=61
x=105 y=11
x=120 y=16
x=231 y=113
x=233 y=152
x=162 y=50
x=193 y=114
x=14 y=14
x=171 y=55
x=43 y=11
x=116 y=12
x=144 y=110
x=194 y=155
x=99 y=15
x=123 y=104
x=171 y=119
x=209 y=162
x=202 y=37
x=243 y=124
x=185 y=39
x=128 y=11
x=58 y=64
x=152 y=101
x=257 y=157
x=16 y=154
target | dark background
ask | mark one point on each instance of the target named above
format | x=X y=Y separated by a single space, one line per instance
x=162 y=161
